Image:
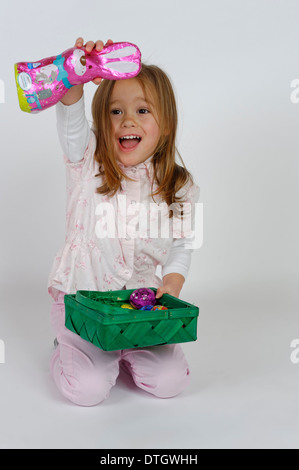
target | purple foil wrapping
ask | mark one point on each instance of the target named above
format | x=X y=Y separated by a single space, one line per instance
x=142 y=297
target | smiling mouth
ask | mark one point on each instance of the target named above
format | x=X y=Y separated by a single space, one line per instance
x=129 y=142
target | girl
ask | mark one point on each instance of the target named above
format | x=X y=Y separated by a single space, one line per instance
x=121 y=166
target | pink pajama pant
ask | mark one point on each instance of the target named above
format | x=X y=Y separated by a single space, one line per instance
x=85 y=374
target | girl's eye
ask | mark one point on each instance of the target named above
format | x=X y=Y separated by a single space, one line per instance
x=115 y=111
x=143 y=111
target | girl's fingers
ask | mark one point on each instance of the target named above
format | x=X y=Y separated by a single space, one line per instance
x=160 y=292
x=89 y=46
x=99 y=45
x=79 y=42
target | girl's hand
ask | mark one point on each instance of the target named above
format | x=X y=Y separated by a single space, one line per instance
x=90 y=45
x=172 y=284
x=75 y=92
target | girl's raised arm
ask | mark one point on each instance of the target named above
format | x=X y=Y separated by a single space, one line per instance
x=72 y=125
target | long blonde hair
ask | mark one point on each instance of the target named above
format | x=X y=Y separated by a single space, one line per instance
x=168 y=175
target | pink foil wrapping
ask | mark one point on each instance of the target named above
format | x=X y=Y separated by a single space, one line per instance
x=43 y=83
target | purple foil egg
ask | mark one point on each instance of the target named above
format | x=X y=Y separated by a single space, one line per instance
x=142 y=297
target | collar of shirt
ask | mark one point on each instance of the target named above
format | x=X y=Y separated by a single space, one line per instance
x=137 y=170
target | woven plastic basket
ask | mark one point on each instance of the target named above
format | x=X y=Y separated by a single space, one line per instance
x=98 y=318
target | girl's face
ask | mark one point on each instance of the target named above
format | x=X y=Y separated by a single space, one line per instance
x=135 y=130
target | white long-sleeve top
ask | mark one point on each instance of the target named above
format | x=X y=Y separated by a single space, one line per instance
x=89 y=261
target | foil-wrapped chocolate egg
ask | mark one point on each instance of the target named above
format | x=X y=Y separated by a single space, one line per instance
x=147 y=307
x=159 y=307
x=142 y=297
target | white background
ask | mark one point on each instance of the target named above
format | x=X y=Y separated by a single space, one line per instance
x=232 y=63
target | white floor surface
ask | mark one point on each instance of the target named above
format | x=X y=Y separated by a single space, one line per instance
x=244 y=390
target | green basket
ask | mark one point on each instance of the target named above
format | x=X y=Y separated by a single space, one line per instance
x=98 y=318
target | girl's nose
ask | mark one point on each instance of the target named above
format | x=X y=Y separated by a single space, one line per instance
x=128 y=121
